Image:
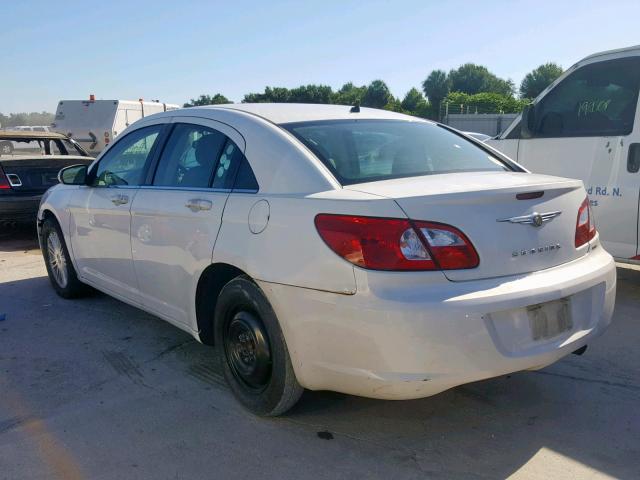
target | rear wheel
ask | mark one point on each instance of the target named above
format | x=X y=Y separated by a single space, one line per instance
x=62 y=275
x=253 y=351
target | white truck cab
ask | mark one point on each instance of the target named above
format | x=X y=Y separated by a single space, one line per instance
x=94 y=123
x=586 y=125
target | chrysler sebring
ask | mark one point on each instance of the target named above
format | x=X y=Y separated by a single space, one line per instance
x=333 y=248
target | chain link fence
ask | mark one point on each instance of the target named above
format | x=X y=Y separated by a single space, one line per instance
x=476 y=118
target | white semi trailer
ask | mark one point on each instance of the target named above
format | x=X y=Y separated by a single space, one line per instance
x=94 y=123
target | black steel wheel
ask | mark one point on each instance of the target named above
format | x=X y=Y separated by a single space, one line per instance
x=253 y=351
x=247 y=350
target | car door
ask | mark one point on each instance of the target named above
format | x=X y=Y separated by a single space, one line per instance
x=100 y=213
x=584 y=128
x=176 y=218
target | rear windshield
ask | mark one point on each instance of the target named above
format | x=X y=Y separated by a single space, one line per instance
x=359 y=151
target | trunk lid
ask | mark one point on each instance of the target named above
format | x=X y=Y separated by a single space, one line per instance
x=476 y=202
x=37 y=174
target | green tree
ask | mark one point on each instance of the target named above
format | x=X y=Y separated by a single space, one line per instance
x=484 y=102
x=24 y=118
x=349 y=94
x=302 y=94
x=538 y=79
x=270 y=95
x=202 y=100
x=413 y=100
x=311 y=94
x=435 y=87
x=471 y=78
x=394 y=105
x=377 y=95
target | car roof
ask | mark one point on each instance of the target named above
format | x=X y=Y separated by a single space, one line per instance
x=626 y=51
x=30 y=135
x=281 y=113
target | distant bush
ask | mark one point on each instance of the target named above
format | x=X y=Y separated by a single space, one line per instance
x=32 y=118
x=484 y=102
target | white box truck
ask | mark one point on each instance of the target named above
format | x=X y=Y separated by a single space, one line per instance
x=94 y=123
x=586 y=125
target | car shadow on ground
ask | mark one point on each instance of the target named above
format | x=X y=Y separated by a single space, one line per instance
x=14 y=239
x=582 y=408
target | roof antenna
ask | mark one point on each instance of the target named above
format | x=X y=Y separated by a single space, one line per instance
x=356 y=107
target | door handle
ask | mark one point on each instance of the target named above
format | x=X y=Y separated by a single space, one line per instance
x=119 y=199
x=198 y=204
x=633 y=158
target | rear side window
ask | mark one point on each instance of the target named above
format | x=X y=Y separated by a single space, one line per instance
x=189 y=158
x=245 y=179
x=232 y=163
x=595 y=100
x=358 y=151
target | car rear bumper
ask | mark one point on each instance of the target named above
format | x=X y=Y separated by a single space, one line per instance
x=400 y=338
x=19 y=208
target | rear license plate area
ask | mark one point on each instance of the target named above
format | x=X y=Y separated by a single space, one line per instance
x=550 y=319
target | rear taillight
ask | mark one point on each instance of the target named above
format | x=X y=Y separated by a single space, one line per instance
x=4 y=181
x=396 y=244
x=449 y=246
x=585 y=226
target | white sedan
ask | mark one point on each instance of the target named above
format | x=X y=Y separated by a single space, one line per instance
x=333 y=248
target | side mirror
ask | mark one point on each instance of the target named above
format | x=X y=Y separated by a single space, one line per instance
x=528 y=122
x=73 y=175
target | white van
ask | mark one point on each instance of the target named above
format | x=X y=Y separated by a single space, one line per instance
x=95 y=123
x=586 y=125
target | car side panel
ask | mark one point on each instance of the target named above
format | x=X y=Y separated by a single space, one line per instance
x=286 y=247
x=55 y=201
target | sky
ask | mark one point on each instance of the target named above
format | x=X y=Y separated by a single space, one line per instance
x=177 y=50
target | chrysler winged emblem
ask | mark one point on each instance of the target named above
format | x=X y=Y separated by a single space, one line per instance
x=534 y=219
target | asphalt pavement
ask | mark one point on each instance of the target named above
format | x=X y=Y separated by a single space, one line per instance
x=96 y=389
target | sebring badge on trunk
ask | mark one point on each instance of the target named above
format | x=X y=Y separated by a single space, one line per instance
x=534 y=219
x=534 y=251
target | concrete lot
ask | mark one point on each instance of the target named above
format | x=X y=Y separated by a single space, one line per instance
x=94 y=388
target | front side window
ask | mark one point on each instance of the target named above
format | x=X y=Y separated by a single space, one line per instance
x=358 y=151
x=125 y=162
x=599 y=99
x=189 y=157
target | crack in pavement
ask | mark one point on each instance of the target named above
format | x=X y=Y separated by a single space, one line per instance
x=170 y=349
x=589 y=380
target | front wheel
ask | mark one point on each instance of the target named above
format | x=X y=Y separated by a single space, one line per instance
x=62 y=275
x=253 y=351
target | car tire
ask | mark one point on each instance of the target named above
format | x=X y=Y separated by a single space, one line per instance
x=62 y=274
x=253 y=351
x=6 y=148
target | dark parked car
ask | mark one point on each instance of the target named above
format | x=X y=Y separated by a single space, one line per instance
x=29 y=165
